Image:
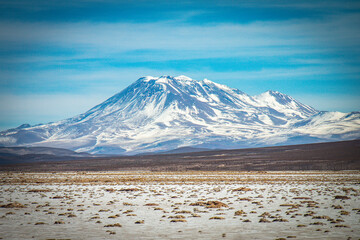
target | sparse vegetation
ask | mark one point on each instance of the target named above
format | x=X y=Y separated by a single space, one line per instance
x=128 y=201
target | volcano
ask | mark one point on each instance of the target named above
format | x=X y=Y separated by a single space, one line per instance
x=156 y=114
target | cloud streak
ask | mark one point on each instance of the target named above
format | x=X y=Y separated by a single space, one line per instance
x=337 y=31
x=73 y=49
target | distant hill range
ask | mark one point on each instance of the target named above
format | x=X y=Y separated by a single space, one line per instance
x=159 y=114
x=343 y=155
x=179 y=150
x=14 y=155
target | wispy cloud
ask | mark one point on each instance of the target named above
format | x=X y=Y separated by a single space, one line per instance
x=72 y=49
x=336 y=31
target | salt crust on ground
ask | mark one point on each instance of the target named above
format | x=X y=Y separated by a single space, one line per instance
x=188 y=205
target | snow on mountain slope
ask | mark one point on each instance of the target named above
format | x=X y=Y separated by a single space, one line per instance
x=327 y=124
x=165 y=113
x=285 y=104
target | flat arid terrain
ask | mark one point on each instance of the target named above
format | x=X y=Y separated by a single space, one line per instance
x=343 y=155
x=180 y=205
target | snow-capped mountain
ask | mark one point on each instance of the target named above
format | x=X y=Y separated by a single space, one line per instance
x=165 y=113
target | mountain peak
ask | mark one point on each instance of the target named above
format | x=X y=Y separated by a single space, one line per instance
x=272 y=92
x=283 y=102
x=275 y=94
x=146 y=78
x=167 y=112
x=165 y=78
x=183 y=78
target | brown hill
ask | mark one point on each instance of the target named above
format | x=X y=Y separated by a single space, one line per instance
x=319 y=156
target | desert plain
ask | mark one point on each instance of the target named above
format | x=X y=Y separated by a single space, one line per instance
x=180 y=205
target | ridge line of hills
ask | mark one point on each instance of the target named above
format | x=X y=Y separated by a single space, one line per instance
x=344 y=155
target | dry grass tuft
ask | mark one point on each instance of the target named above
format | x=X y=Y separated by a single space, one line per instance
x=178 y=220
x=113 y=225
x=13 y=205
x=210 y=204
x=216 y=218
x=242 y=189
x=342 y=197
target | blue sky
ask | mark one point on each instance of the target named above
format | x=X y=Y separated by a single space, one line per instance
x=60 y=58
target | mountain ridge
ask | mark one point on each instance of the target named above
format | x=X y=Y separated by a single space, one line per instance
x=163 y=113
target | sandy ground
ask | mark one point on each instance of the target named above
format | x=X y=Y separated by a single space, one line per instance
x=180 y=205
